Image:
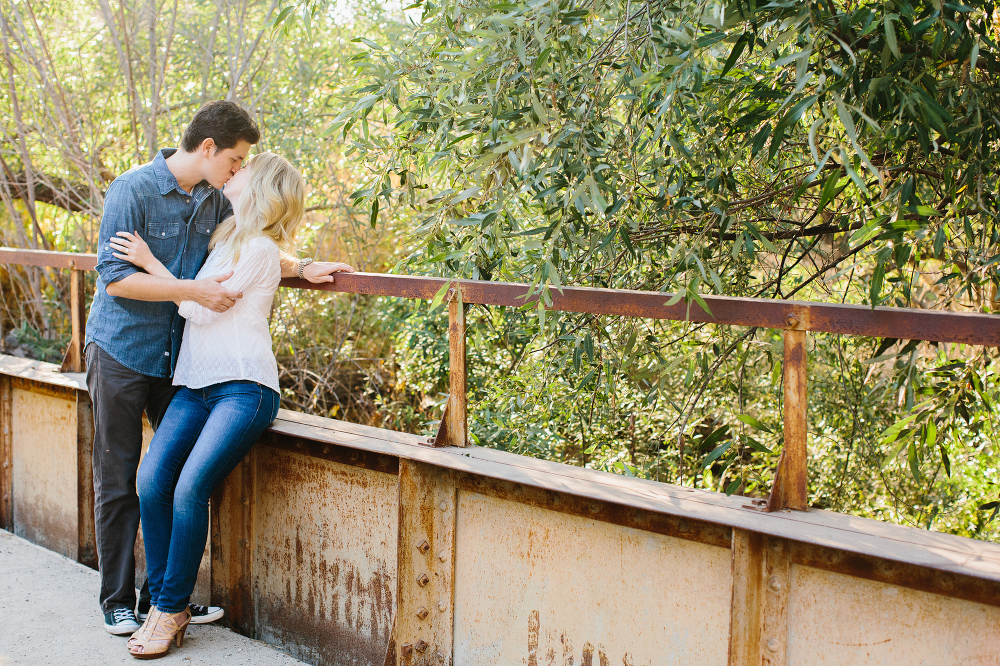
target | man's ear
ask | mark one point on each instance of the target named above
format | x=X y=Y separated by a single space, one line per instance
x=207 y=147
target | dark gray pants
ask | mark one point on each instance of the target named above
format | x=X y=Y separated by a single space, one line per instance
x=119 y=396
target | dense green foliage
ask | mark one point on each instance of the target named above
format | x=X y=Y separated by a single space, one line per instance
x=826 y=150
x=822 y=150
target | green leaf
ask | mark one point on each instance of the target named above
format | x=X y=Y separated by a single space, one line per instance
x=890 y=434
x=439 y=296
x=716 y=454
x=890 y=34
x=735 y=54
x=829 y=190
x=373 y=217
x=914 y=462
x=734 y=486
x=714 y=437
x=753 y=423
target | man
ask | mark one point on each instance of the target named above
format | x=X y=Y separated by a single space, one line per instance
x=134 y=331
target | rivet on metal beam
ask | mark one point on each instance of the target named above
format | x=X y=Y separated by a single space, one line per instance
x=246 y=501
x=772 y=644
x=422 y=612
x=407 y=649
x=423 y=546
x=443 y=506
x=775 y=583
x=443 y=556
x=442 y=606
x=422 y=579
x=792 y=321
x=421 y=645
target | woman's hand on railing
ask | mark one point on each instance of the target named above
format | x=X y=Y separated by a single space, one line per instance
x=322 y=271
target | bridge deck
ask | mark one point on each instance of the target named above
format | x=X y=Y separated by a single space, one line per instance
x=49 y=606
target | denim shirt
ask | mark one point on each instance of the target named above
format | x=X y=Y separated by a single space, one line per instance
x=146 y=336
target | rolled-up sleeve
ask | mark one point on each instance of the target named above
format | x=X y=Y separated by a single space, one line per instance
x=123 y=211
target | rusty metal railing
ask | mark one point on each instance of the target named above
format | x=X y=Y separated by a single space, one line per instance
x=794 y=318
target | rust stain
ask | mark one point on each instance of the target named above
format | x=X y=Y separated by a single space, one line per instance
x=324 y=576
x=605 y=512
x=533 y=627
x=902 y=574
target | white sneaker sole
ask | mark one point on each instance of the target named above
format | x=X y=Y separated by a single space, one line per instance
x=121 y=629
x=208 y=617
x=195 y=619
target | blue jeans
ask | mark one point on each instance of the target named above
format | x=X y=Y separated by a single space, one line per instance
x=202 y=438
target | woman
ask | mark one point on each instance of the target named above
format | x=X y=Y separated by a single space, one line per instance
x=228 y=392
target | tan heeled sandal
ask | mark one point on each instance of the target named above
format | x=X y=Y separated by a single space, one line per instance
x=154 y=637
x=138 y=633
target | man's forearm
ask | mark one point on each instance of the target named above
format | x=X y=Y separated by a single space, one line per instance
x=144 y=287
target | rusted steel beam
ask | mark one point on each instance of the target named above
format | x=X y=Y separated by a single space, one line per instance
x=773 y=643
x=758 y=630
x=901 y=323
x=6 y=454
x=74 y=360
x=49 y=259
x=232 y=547
x=86 y=549
x=454 y=422
x=791 y=479
x=426 y=565
x=748 y=586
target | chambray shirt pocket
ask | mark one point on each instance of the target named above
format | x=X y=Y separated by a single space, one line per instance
x=205 y=227
x=162 y=229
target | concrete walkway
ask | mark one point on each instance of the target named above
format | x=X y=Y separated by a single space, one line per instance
x=49 y=615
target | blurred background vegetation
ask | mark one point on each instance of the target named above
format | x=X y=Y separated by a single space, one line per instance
x=824 y=150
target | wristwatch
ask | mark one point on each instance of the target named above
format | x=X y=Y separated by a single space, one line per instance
x=302 y=266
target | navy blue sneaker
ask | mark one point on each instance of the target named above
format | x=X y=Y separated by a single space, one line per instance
x=120 y=621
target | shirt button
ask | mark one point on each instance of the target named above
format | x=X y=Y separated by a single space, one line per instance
x=187 y=201
x=163 y=233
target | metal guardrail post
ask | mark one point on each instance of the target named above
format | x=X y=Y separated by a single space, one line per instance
x=74 y=361
x=791 y=481
x=454 y=422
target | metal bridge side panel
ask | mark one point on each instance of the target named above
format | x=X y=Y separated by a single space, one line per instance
x=534 y=586
x=324 y=557
x=840 y=620
x=44 y=469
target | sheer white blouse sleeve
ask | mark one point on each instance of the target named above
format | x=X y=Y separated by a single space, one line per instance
x=255 y=267
x=236 y=344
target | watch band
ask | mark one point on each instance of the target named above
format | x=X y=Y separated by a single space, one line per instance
x=302 y=266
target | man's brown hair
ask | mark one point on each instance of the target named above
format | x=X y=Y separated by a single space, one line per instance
x=223 y=122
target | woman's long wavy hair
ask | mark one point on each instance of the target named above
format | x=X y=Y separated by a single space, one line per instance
x=272 y=205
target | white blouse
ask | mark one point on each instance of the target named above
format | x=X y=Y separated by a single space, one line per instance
x=236 y=344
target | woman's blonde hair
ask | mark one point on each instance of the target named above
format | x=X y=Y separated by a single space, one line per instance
x=272 y=205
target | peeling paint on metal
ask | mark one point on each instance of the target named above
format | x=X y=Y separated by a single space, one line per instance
x=45 y=470
x=324 y=560
x=538 y=587
x=838 y=619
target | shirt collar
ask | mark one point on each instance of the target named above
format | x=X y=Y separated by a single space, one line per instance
x=164 y=178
